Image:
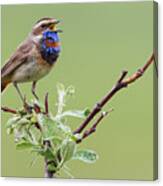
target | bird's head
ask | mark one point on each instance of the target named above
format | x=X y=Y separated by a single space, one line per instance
x=45 y=24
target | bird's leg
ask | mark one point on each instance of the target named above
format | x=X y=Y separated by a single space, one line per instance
x=34 y=90
x=19 y=92
x=27 y=107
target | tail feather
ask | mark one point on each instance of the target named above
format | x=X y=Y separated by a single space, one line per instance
x=3 y=85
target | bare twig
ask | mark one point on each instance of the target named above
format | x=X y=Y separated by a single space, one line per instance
x=46 y=104
x=121 y=83
x=94 y=126
x=6 y=109
x=48 y=174
x=37 y=108
x=139 y=72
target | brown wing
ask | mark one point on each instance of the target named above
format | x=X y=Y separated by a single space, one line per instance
x=20 y=56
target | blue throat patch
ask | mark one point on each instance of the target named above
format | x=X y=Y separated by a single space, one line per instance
x=50 y=53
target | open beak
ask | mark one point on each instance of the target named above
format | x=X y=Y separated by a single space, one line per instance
x=57 y=21
x=58 y=30
x=53 y=26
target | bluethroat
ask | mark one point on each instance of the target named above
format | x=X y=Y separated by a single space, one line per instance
x=34 y=57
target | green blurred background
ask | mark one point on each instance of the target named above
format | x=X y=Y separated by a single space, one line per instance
x=99 y=41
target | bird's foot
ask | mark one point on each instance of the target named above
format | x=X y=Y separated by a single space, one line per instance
x=34 y=90
x=28 y=108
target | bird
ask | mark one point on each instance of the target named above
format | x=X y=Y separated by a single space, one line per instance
x=34 y=57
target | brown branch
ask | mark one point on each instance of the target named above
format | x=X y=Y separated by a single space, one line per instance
x=139 y=72
x=121 y=83
x=37 y=108
x=46 y=104
x=48 y=174
x=9 y=110
x=94 y=126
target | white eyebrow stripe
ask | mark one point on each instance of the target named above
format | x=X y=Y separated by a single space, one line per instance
x=44 y=22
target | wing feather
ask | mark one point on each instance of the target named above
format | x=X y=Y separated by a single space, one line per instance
x=20 y=56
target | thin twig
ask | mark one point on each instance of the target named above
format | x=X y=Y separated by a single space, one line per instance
x=121 y=83
x=46 y=104
x=139 y=72
x=6 y=109
x=94 y=126
x=37 y=108
x=99 y=105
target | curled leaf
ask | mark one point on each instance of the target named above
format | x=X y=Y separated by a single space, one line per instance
x=68 y=150
x=50 y=128
x=74 y=113
x=87 y=156
x=70 y=91
x=61 y=97
x=24 y=145
x=12 y=121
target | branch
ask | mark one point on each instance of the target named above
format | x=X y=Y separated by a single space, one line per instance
x=48 y=174
x=6 y=109
x=46 y=104
x=121 y=83
x=37 y=108
x=139 y=72
x=94 y=126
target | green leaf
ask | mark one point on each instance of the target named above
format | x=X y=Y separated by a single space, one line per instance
x=70 y=91
x=57 y=143
x=38 y=149
x=68 y=150
x=61 y=97
x=19 y=134
x=74 y=113
x=12 y=121
x=10 y=130
x=33 y=119
x=60 y=87
x=42 y=119
x=86 y=112
x=64 y=128
x=24 y=145
x=52 y=168
x=45 y=152
x=23 y=121
x=48 y=126
x=87 y=156
x=76 y=137
x=15 y=123
x=48 y=154
x=51 y=128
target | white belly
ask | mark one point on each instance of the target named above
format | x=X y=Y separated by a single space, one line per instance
x=30 y=71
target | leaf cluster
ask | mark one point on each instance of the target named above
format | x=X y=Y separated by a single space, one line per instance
x=50 y=135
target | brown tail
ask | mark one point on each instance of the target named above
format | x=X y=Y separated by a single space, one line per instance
x=3 y=85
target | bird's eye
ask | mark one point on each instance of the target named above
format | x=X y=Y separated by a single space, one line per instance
x=43 y=26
